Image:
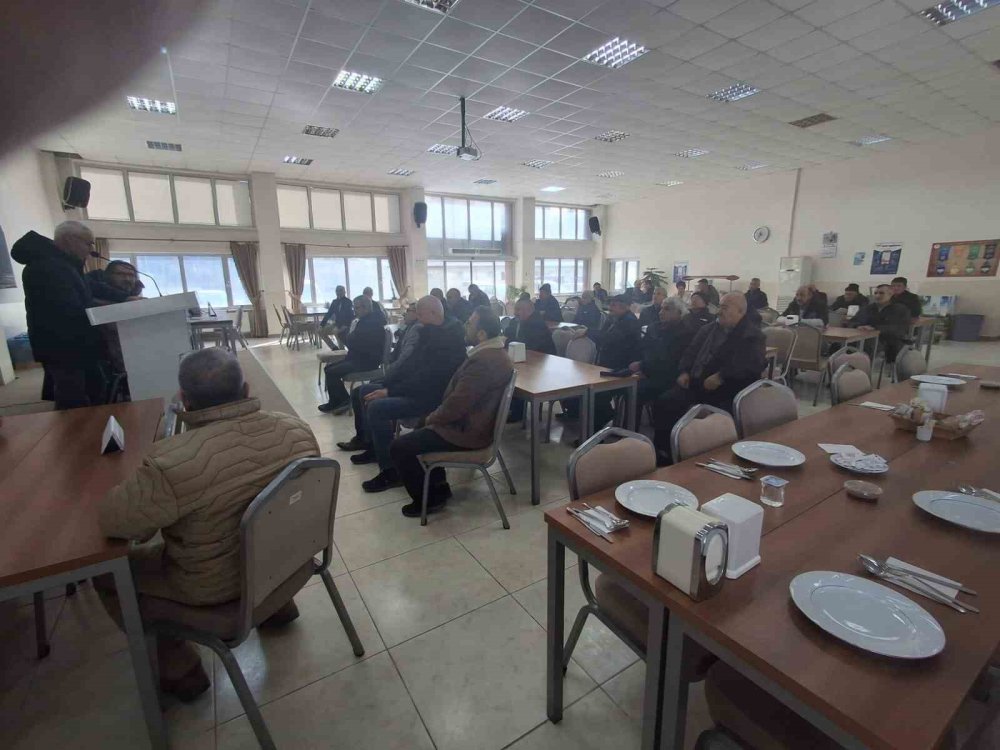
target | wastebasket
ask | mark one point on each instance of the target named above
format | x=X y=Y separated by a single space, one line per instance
x=966 y=327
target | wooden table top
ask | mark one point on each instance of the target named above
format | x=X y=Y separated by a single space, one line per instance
x=51 y=478
x=836 y=333
x=886 y=703
x=549 y=375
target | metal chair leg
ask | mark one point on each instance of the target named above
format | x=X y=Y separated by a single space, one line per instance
x=506 y=473
x=246 y=697
x=496 y=497
x=342 y=613
x=819 y=385
x=574 y=634
x=427 y=489
x=42 y=647
x=547 y=437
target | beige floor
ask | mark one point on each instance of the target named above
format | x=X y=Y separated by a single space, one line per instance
x=452 y=616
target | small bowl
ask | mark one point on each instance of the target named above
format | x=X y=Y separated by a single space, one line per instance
x=863 y=490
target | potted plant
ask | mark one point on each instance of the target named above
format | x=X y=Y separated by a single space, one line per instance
x=656 y=277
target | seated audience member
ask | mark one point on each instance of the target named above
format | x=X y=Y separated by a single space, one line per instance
x=458 y=305
x=681 y=293
x=527 y=327
x=906 y=298
x=649 y=316
x=477 y=297
x=645 y=295
x=619 y=345
x=851 y=296
x=724 y=358
x=698 y=312
x=600 y=293
x=466 y=418
x=710 y=293
x=406 y=392
x=524 y=297
x=376 y=305
x=194 y=488
x=588 y=313
x=756 y=299
x=435 y=292
x=548 y=306
x=808 y=306
x=119 y=282
x=338 y=318
x=365 y=345
x=890 y=318
x=662 y=352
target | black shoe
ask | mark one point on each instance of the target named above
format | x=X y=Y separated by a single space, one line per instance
x=368 y=457
x=328 y=407
x=662 y=459
x=355 y=444
x=189 y=687
x=342 y=409
x=434 y=504
x=384 y=480
x=285 y=615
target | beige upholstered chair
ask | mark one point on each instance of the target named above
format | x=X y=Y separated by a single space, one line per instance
x=763 y=405
x=783 y=339
x=848 y=355
x=806 y=353
x=282 y=531
x=702 y=429
x=848 y=383
x=909 y=362
x=768 y=315
x=561 y=337
x=283 y=322
x=481 y=459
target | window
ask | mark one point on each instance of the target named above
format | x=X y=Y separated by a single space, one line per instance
x=480 y=220
x=151 y=197
x=301 y=207
x=233 y=203
x=107 y=194
x=560 y=223
x=293 y=207
x=212 y=277
x=435 y=219
x=623 y=274
x=194 y=200
x=386 y=213
x=467 y=222
x=490 y=276
x=358 y=212
x=326 y=209
x=325 y=273
x=456 y=218
x=566 y=275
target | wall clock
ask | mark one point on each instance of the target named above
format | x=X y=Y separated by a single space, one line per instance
x=761 y=234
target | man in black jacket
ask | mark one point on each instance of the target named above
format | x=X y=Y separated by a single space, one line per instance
x=337 y=320
x=619 y=345
x=662 y=352
x=376 y=305
x=458 y=305
x=649 y=316
x=548 y=306
x=756 y=299
x=56 y=296
x=527 y=327
x=477 y=297
x=906 y=298
x=117 y=283
x=725 y=357
x=698 y=312
x=808 y=306
x=365 y=348
x=890 y=318
x=852 y=296
x=588 y=314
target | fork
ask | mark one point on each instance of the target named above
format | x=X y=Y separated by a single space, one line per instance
x=607 y=517
x=968 y=489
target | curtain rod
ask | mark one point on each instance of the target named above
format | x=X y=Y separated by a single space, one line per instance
x=311 y=244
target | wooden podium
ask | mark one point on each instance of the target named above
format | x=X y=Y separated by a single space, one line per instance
x=154 y=335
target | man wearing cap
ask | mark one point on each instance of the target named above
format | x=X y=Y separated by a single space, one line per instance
x=852 y=296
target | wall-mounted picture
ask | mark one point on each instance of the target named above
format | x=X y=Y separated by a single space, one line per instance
x=680 y=270
x=971 y=258
x=859 y=257
x=885 y=259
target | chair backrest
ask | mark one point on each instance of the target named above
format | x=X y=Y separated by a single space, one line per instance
x=847 y=383
x=582 y=349
x=701 y=429
x=503 y=409
x=288 y=316
x=808 y=340
x=849 y=355
x=561 y=337
x=281 y=318
x=498 y=307
x=836 y=318
x=286 y=526
x=910 y=362
x=768 y=315
x=783 y=339
x=597 y=464
x=387 y=347
x=238 y=325
x=763 y=405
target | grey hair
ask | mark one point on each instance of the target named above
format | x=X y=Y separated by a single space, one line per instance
x=674 y=305
x=71 y=229
x=210 y=377
x=364 y=302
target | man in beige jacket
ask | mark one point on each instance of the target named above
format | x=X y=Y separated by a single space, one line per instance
x=465 y=419
x=193 y=488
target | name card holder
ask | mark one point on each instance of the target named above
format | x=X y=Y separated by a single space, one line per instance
x=113 y=439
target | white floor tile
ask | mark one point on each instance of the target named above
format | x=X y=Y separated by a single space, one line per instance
x=592 y=723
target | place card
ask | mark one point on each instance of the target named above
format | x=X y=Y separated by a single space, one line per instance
x=850 y=450
x=113 y=439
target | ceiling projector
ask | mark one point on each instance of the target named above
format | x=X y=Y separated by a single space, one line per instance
x=468 y=153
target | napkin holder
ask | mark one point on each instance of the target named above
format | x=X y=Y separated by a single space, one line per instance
x=690 y=550
x=745 y=522
x=516 y=351
x=934 y=395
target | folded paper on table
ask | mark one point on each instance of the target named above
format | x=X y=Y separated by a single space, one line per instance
x=838 y=448
x=876 y=405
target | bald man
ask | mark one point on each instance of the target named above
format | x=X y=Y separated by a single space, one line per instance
x=725 y=357
x=409 y=391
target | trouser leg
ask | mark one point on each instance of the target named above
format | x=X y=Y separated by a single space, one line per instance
x=403 y=453
x=334 y=383
x=76 y=385
x=667 y=410
x=382 y=415
x=603 y=411
x=360 y=411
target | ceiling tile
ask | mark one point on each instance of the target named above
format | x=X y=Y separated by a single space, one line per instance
x=250 y=79
x=545 y=62
x=492 y=14
x=479 y=70
x=306 y=73
x=822 y=12
x=269 y=14
x=536 y=26
x=518 y=80
x=358 y=11
x=435 y=58
x=260 y=39
x=406 y=20
x=724 y=56
x=828 y=58
x=574 y=9
x=553 y=89
x=784 y=29
x=505 y=50
x=328 y=30
x=582 y=74
x=804 y=46
x=744 y=18
x=874 y=17
x=386 y=46
x=322 y=55
x=700 y=11
x=578 y=41
x=696 y=42
x=458 y=36
x=883 y=36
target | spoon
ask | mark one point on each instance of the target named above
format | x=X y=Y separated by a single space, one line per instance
x=880 y=570
x=968 y=489
x=896 y=570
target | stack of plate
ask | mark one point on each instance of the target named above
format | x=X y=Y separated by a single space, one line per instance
x=768 y=454
x=859 y=463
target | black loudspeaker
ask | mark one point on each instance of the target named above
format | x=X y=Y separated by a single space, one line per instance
x=76 y=193
x=420 y=213
x=595 y=226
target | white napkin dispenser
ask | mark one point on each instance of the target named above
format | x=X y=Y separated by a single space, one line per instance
x=516 y=351
x=690 y=550
x=745 y=521
x=934 y=395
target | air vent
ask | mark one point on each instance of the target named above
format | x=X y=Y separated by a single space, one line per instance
x=484 y=181
x=808 y=122
x=474 y=251
x=611 y=173
x=163 y=146
x=739 y=90
x=610 y=136
x=670 y=183
x=691 y=153
x=442 y=150
x=320 y=131
x=400 y=172
x=955 y=10
x=536 y=163
x=297 y=160
x=871 y=140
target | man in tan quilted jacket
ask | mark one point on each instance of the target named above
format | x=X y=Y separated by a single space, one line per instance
x=193 y=488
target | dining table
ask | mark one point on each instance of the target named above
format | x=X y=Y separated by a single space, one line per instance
x=858 y=699
x=223 y=321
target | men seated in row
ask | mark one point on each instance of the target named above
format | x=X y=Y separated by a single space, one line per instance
x=477 y=297
x=852 y=296
x=548 y=306
x=458 y=305
x=724 y=358
x=808 y=305
x=338 y=318
x=194 y=488
x=365 y=348
x=662 y=350
x=588 y=313
x=619 y=344
x=375 y=305
x=889 y=317
x=905 y=297
x=756 y=298
x=710 y=293
x=466 y=418
x=649 y=316
x=528 y=327
x=410 y=390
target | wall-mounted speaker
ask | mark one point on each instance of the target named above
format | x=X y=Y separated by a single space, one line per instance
x=420 y=213
x=76 y=193
x=595 y=226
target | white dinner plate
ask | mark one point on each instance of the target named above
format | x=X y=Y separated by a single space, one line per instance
x=867 y=614
x=648 y=497
x=969 y=511
x=937 y=380
x=768 y=454
x=845 y=461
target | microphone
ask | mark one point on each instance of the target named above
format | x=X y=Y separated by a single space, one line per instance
x=95 y=254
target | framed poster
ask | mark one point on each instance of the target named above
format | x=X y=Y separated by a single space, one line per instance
x=968 y=259
x=859 y=258
x=885 y=258
x=680 y=270
x=829 y=245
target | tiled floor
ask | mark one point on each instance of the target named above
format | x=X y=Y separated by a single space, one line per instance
x=452 y=617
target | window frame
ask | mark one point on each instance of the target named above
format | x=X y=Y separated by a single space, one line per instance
x=507 y=270
x=340 y=190
x=611 y=272
x=132 y=257
x=380 y=260
x=540 y=225
x=505 y=235
x=539 y=265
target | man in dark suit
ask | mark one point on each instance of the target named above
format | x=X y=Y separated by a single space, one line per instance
x=477 y=297
x=365 y=347
x=808 y=306
x=661 y=357
x=889 y=317
x=337 y=320
x=649 y=316
x=600 y=294
x=756 y=299
x=619 y=345
x=548 y=306
x=458 y=305
x=527 y=327
x=588 y=314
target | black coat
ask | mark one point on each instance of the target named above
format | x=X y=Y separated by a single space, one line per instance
x=911 y=302
x=620 y=342
x=379 y=312
x=366 y=343
x=650 y=317
x=549 y=309
x=56 y=296
x=461 y=309
x=841 y=302
x=695 y=319
x=479 y=299
x=533 y=333
x=341 y=312
x=756 y=299
x=662 y=359
x=440 y=351
x=892 y=322
x=588 y=315
x=101 y=287
x=739 y=361
x=813 y=309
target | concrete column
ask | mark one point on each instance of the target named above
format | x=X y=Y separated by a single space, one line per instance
x=597 y=265
x=273 y=276
x=524 y=236
x=416 y=243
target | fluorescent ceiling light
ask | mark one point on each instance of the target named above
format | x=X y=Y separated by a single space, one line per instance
x=505 y=114
x=812 y=120
x=552 y=189
x=360 y=82
x=751 y=165
x=400 y=172
x=536 y=163
x=142 y=104
x=610 y=136
x=616 y=53
x=320 y=131
x=297 y=160
x=739 y=90
x=443 y=150
x=441 y=6
x=871 y=140
x=690 y=153
x=955 y=10
x=611 y=173
x=163 y=146
x=484 y=181
x=670 y=183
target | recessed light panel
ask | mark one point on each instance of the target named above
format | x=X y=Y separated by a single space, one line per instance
x=442 y=150
x=400 y=172
x=955 y=10
x=690 y=153
x=441 y=6
x=552 y=189
x=751 y=165
x=297 y=160
x=739 y=90
x=360 y=82
x=536 y=163
x=142 y=104
x=484 y=181
x=813 y=120
x=610 y=136
x=320 y=131
x=616 y=53
x=611 y=173
x=871 y=140
x=163 y=146
x=505 y=114
x=670 y=183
